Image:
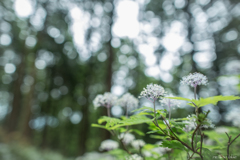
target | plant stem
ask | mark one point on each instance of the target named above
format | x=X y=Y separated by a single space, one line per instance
x=126 y=112
x=169 y=106
x=196 y=131
x=202 y=135
x=196 y=110
x=108 y=111
x=195 y=92
x=155 y=112
x=124 y=146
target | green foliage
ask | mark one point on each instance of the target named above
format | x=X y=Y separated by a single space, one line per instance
x=114 y=123
x=173 y=144
x=118 y=153
x=143 y=109
x=140 y=133
x=205 y=101
x=207 y=154
x=176 y=139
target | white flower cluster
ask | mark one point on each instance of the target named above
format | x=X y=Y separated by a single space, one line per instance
x=194 y=79
x=107 y=100
x=153 y=92
x=208 y=124
x=134 y=157
x=191 y=123
x=128 y=100
x=147 y=153
x=161 y=150
x=137 y=144
x=108 y=145
x=126 y=137
x=169 y=102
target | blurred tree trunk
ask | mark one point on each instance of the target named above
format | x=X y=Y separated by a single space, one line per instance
x=29 y=98
x=13 y=120
x=110 y=61
x=111 y=55
x=84 y=124
x=47 y=107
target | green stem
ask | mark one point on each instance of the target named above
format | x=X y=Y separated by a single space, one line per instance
x=195 y=92
x=155 y=112
x=108 y=111
x=196 y=110
x=169 y=106
x=126 y=112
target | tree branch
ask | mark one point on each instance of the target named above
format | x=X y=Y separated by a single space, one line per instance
x=230 y=142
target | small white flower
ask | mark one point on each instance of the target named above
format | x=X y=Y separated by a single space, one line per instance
x=137 y=144
x=194 y=79
x=126 y=138
x=134 y=157
x=108 y=145
x=161 y=150
x=128 y=101
x=190 y=126
x=169 y=102
x=153 y=92
x=191 y=123
x=107 y=100
x=165 y=122
x=207 y=124
x=147 y=154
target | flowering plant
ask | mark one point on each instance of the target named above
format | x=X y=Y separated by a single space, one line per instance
x=184 y=136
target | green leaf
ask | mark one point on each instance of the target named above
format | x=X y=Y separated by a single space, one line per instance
x=207 y=154
x=179 y=119
x=158 y=137
x=155 y=131
x=144 y=109
x=173 y=144
x=122 y=130
x=213 y=100
x=110 y=121
x=99 y=126
x=205 y=101
x=133 y=120
x=140 y=133
x=215 y=147
x=121 y=154
x=149 y=146
x=179 y=98
x=162 y=112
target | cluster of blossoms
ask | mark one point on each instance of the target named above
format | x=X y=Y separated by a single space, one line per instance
x=134 y=157
x=191 y=123
x=128 y=101
x=108 y=145
x=161 y=150
x=169 y=102
x=137 y=144
x=107 y=100
x=126 y=137
x=152 y=92
x=194 y=79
